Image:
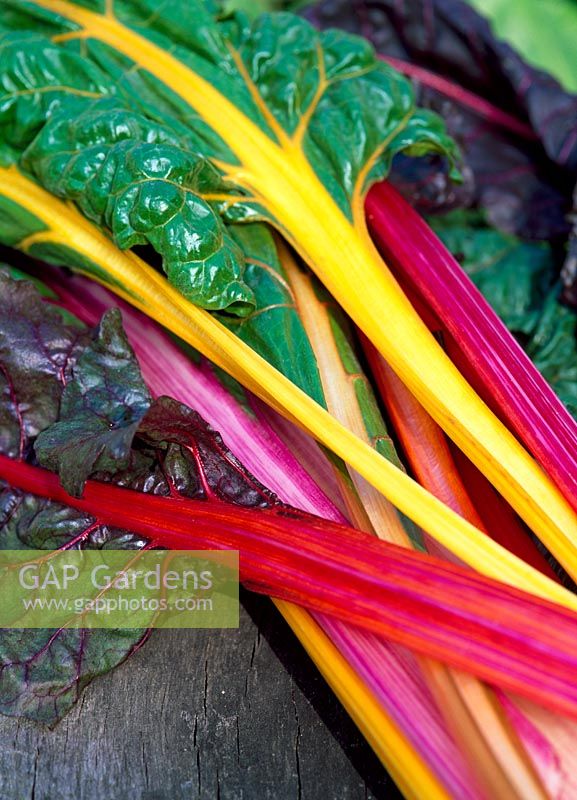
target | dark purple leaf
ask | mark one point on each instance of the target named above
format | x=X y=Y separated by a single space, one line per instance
x=196 y=459
x=525 y=185
x=42 y=672
x=80 y=399
x=37 y=353
x=100 y=410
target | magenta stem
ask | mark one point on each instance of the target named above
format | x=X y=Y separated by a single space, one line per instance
x=497 y=365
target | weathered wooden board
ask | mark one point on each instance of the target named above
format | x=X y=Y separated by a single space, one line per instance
x=199 y=715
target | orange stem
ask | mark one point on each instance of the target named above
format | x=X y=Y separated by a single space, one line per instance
x=446 y=472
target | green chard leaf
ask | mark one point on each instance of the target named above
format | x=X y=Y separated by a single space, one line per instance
x=99 y=127
x=133 y=178
x=129 y=175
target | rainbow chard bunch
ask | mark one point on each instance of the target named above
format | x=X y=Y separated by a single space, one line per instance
x=91 y=460
x=212 y=172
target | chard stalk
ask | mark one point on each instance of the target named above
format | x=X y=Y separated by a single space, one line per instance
x=274 y=169
x=470 y=709
x=439 y=610
x=138 y=283
x=407 y=735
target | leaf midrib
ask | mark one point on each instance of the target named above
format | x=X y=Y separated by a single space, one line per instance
x=268 y=170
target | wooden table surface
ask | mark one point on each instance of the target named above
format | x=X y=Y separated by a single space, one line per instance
x=199 y=715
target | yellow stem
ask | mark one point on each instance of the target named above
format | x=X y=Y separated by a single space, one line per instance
x=141 y=285
x=275 y=168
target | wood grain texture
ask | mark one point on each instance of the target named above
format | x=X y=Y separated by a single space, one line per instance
x=199 y=715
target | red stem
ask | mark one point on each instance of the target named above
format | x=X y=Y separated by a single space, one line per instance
x=464 y=97
x=509 y=382
x=438 y=609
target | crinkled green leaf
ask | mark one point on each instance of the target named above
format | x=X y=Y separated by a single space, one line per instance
x=129 y=175
x=100 y=411
x=361 y=104
x=363 y=110
x=514 y=123
x=37 y=80
x=352 y=111
x=134 y=179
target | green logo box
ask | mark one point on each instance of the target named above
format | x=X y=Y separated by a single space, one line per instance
x=119 y=589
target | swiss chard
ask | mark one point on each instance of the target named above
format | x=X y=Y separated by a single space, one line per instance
x=174 y=454
x=403 y=745
x=298 y=146
x=386 y=669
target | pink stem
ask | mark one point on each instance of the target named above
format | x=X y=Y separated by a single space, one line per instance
x=502 y=373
